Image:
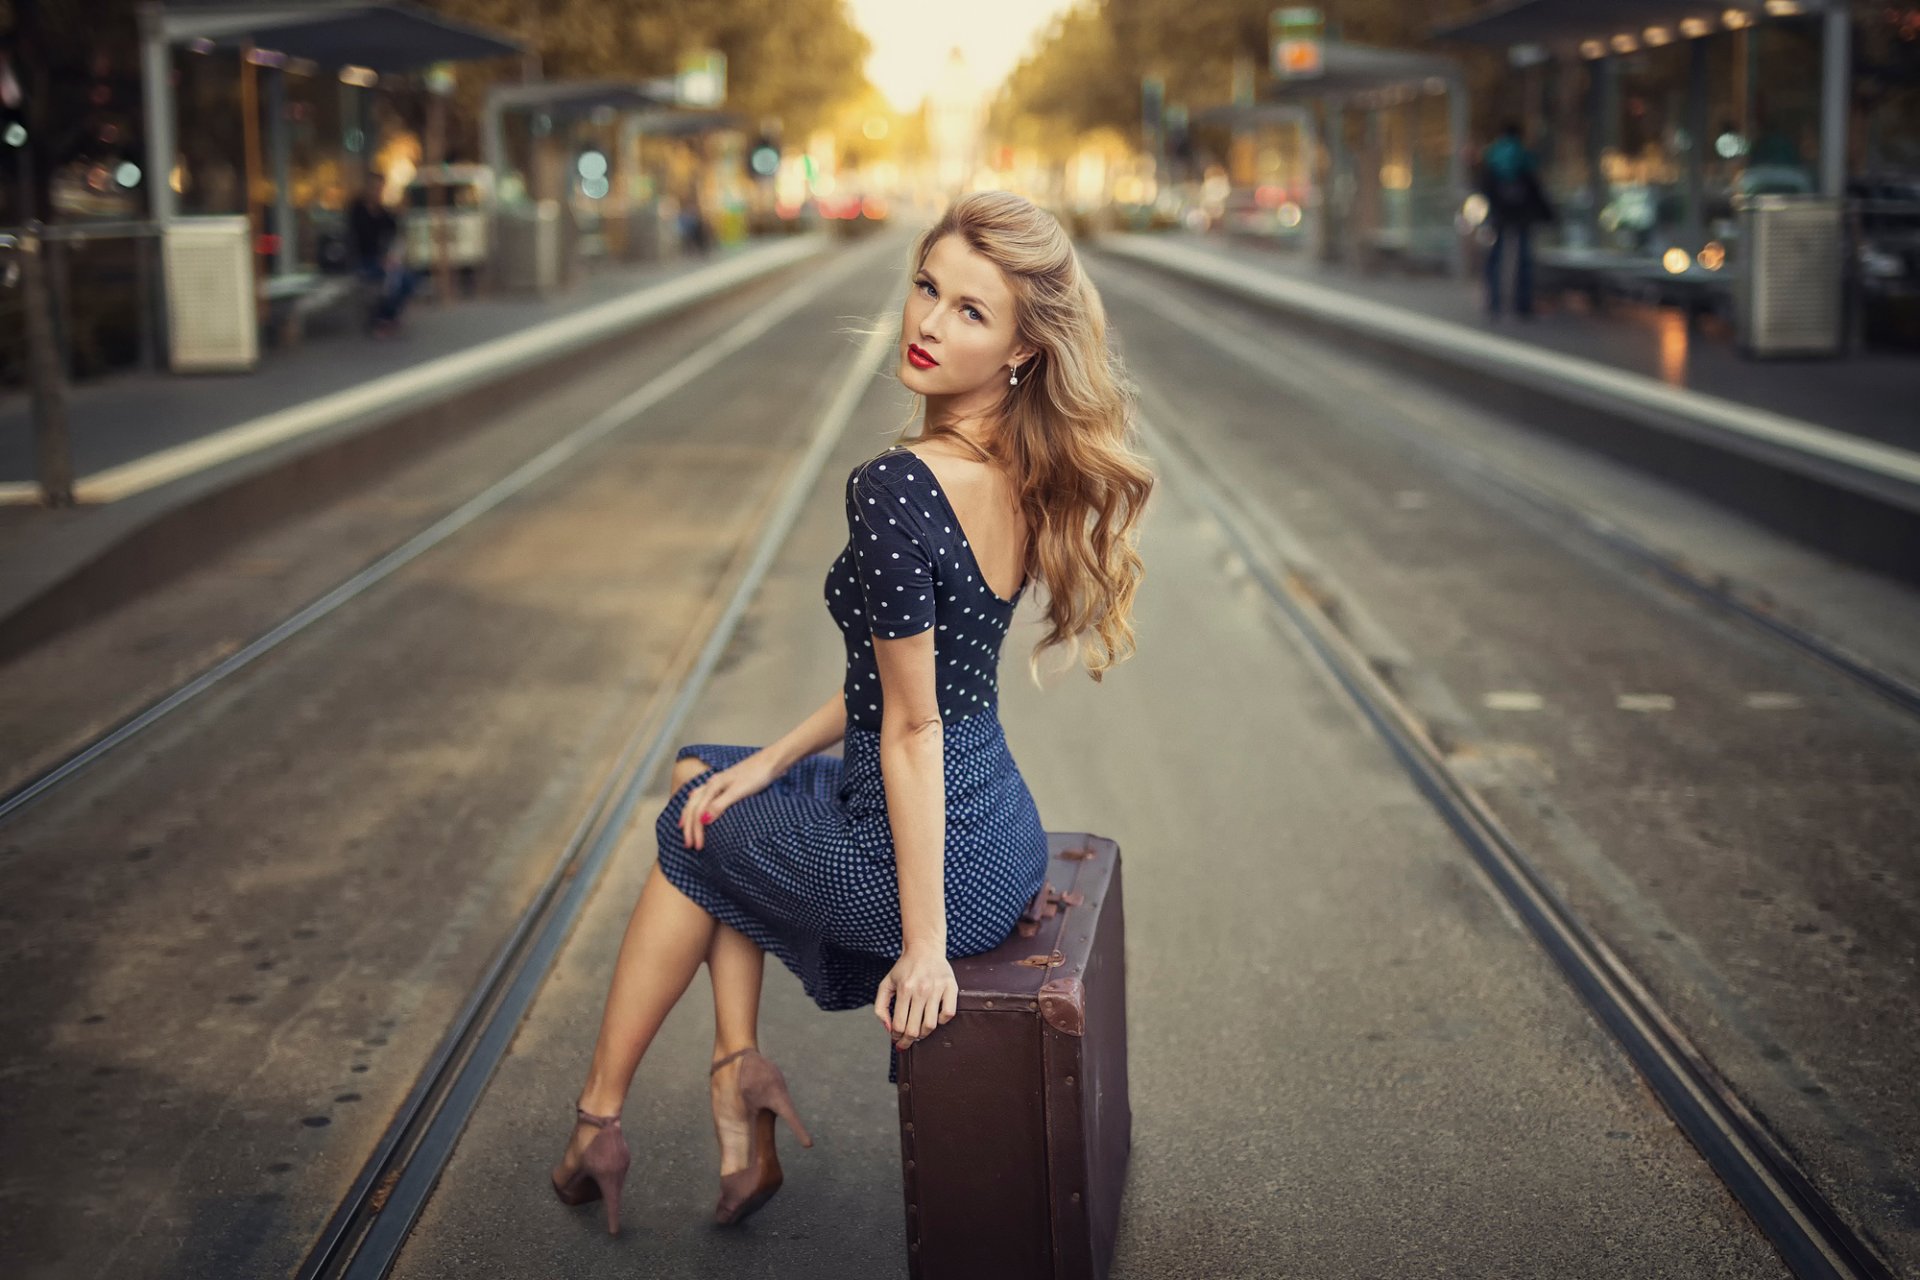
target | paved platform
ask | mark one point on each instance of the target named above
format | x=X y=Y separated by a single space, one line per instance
x=1868 y=394
x=153 y=448
x=123 y=417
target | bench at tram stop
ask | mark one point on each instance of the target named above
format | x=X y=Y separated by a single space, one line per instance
x=1015 y=1124
x=297 y=300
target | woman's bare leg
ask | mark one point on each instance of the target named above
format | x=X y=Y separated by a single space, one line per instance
x=667 y=937
x=736 y=964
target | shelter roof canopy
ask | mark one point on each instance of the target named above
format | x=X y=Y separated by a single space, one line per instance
x=1508 y=22
x=387 y=36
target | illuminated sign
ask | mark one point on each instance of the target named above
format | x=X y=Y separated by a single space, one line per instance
x=1299 y=37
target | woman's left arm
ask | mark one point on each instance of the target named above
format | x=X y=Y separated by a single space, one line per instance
x=923 y=989
x=913 y=775
x=893 y=562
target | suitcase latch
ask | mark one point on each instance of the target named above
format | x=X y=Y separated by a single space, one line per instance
x=1045 y=905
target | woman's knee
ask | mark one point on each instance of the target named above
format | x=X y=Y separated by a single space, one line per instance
x=686 y=769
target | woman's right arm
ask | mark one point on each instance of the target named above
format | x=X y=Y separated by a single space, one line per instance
x=758 y=771
x=817 y=732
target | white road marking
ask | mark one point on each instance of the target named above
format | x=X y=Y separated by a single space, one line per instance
x=1644 y=702
x=1513 y=700
x=1775 y=701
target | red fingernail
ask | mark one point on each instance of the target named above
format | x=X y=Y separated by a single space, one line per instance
x=706 y=817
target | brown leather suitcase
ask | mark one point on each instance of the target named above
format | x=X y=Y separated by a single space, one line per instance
x=1014 y=1120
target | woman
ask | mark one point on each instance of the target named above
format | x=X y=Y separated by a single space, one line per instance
x=866 y=873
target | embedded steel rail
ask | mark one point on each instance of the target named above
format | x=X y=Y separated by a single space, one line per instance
x=615 y=416
x=364 y=1237
x=1809 y=1234
x=1474 y=465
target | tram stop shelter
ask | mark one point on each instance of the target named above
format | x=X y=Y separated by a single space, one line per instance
x=577 y=155
x=355 y=39
x=1392 y=127
x=1652 y=119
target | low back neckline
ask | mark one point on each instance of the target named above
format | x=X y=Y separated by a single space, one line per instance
x=966 y=543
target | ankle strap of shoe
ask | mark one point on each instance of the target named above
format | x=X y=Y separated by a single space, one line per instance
x=604 y=1122
x=729 y=1058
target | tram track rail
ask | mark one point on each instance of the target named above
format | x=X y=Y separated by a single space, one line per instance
x=611 y=419
x=1707 y=588
x=1810 y=1235
x=368 y=1229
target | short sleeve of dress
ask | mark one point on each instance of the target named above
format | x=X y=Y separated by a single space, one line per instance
x=892 y=556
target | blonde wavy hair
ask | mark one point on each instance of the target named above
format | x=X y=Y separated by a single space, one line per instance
x=1066 y=432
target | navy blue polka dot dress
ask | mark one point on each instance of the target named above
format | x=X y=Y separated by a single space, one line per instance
x=806 y=867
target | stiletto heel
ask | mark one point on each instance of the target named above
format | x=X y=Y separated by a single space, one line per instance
x=603 y=1169
x=763 y=1091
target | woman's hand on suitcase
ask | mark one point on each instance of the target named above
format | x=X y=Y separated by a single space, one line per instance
x=924 y=994
x=710 y=799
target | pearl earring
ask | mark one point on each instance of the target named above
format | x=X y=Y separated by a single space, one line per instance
x=1013 y=379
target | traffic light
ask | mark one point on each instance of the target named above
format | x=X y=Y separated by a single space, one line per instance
x=763 y=158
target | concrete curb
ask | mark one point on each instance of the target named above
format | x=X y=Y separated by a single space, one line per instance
x=1855 y=498
x=165 y=514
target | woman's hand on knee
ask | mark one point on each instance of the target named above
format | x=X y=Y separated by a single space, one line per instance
x=715 y=795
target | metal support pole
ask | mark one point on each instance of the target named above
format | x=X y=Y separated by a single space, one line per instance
x=1369 y=213
x=286 y=252
x=58 y=258
x=438 y=211
x=52 y=450
x=493 y=136
x=1599 y=133
x=1319 y=224
x=143 y=251
x=156 y=66
x=1835 y=88
x=250 y=143
x=1749 y=37
x=1456 y=172
x=1694 y=229
x=1337 y=198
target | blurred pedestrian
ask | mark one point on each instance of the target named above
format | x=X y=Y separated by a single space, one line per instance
x=695 y=236
x=379 y=248
x=1509 y=179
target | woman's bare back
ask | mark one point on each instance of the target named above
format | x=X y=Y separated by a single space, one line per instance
x=983 y=498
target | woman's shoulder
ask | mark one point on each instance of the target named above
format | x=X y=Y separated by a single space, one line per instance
x=890 y=481
x=871 y=473
x=892 y=469
x=921 y=469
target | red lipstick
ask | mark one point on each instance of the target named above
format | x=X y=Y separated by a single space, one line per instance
x=918 y=358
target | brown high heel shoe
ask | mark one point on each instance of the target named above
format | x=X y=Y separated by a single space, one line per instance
x=602 y=1171
x=764 y=1091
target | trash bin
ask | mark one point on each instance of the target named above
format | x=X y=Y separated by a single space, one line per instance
x=529 y=247
x=212 y=316
x=650 y=233
x=1787 y=292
